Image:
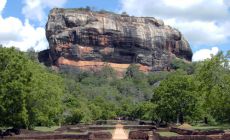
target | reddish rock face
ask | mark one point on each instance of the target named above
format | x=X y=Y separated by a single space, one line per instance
x=87 y=40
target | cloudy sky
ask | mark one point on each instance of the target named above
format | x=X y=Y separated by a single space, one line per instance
x=205 y=23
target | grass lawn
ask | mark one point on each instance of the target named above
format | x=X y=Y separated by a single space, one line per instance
x=109 y=130
x=207 y=127
x=168 y=134
x=75 y=133
x=46 y=129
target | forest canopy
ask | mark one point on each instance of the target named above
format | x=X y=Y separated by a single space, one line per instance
x=34 y=95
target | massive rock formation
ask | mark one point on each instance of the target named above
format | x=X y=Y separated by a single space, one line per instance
x=89 y=40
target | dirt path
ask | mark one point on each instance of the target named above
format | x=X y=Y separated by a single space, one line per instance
x=119 y=133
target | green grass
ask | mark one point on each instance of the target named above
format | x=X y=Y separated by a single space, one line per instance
x=109 y=130
x=207 y=127
x=46 y=129
x=106 y=130
x=168 y=134
x=75 y=133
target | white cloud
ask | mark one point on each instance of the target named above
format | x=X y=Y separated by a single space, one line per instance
x=22 y=35
x=35 y=9
x=201 y=21
x=14 y=32
x=203 y=54
x=180 y=9
x=202 y=32
x=182 y=4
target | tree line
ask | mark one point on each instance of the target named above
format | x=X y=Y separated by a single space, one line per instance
x=34 y=95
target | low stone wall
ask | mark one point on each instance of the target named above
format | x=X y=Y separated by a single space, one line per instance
x=146 y=127
x=162 y=129
x=195 y=132
x=74 y=128
x=225 y=136
x=98 y=127
x=138 y=135
x=77 y=130
x=89 y=136
x=50 y=136
x=191 y=137
x=105 y=122
x=100 y=136
x=129 y=122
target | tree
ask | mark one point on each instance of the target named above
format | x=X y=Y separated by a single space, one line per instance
x=44 y=97
x=31 y=53
x=145 y=111
x=29 y=93
x=175 y=98
x=177 y=63
x=213 y=76
x=96 y=111
x=124 y=13
x=75 y=117
x=156 y=77
x=132 y=71
x=108 y=109
x=228 y=54
x=14 y=80
x=107 y=72
x=87 y=8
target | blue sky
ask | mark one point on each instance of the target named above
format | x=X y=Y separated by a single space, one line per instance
x=14 y=7
x=204 y=23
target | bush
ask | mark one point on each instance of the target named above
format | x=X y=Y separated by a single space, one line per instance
x=75 y=117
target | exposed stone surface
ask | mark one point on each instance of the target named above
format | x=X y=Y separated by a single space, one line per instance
x=87 y=40
x=139 y=135
x=100 y=135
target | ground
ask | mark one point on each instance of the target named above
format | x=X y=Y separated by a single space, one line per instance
x=46 y=129
x=168 y=134
x=119 y=133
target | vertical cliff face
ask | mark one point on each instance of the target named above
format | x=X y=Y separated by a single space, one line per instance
x=87 y=40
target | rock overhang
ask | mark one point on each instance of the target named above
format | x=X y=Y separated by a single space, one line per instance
x=83 y=38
